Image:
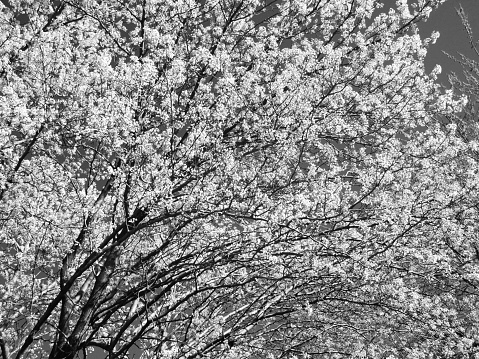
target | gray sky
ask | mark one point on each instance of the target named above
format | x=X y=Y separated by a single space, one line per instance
x=453 y=36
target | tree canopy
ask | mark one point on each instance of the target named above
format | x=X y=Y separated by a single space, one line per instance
x=232 y=179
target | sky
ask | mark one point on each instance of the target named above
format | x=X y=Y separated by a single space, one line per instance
x=453 y=37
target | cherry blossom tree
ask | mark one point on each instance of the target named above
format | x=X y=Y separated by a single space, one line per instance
x=231 y=179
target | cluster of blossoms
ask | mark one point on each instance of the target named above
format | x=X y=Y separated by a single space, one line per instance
x=231 y=179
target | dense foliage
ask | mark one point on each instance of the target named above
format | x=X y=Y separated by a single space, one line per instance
x=231 y=179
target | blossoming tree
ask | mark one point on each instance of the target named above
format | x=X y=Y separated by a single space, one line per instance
x=230 y=179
